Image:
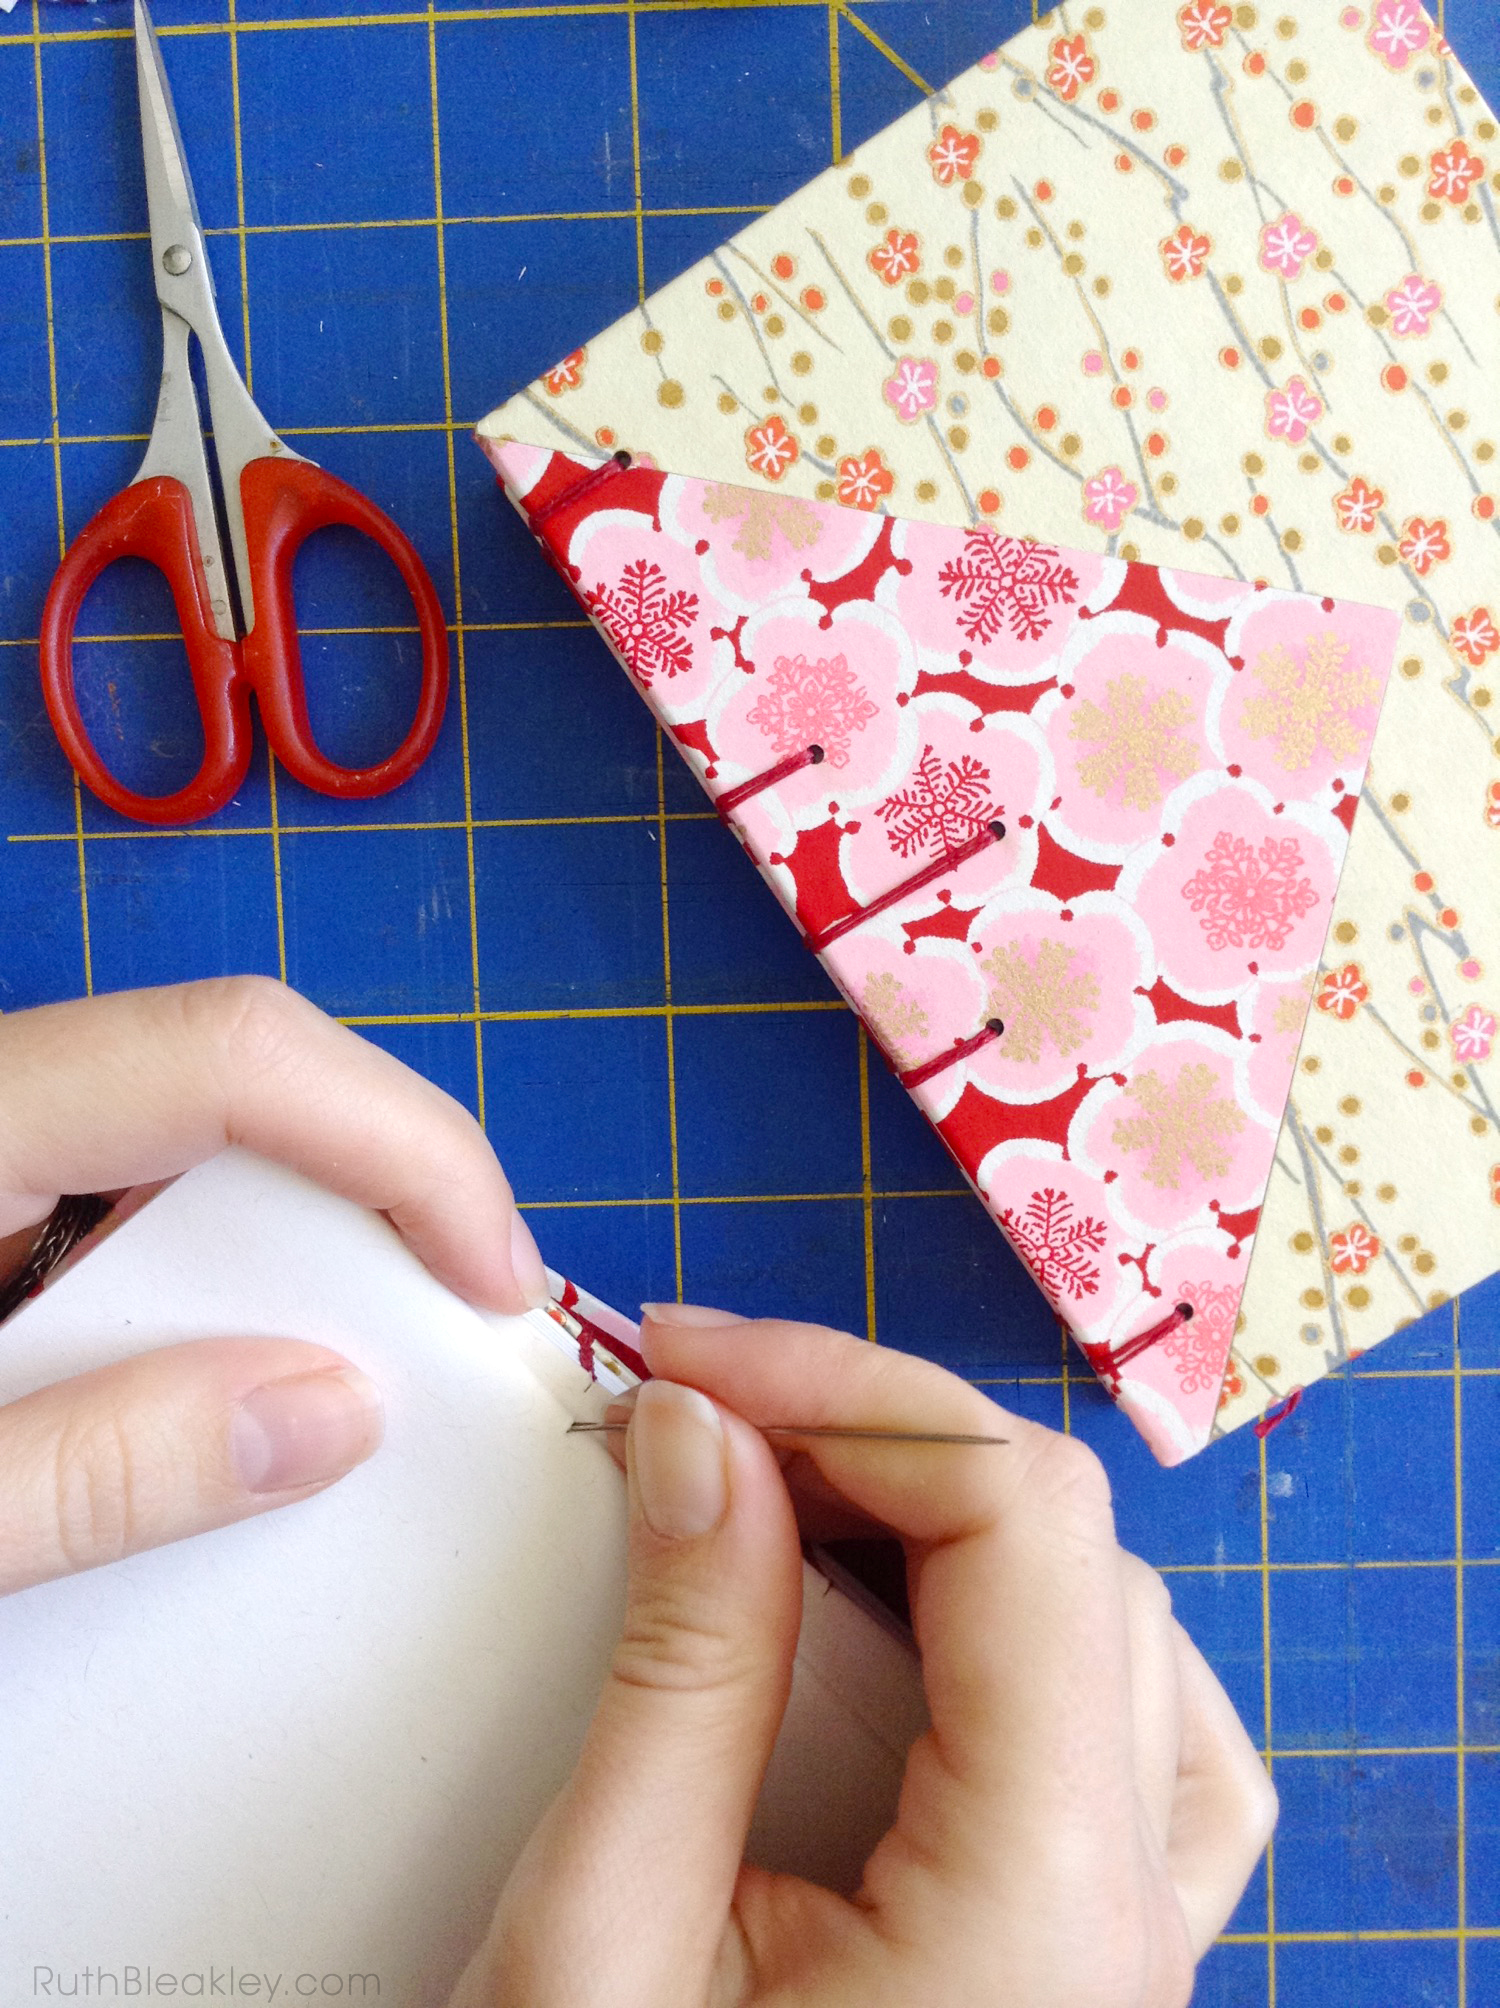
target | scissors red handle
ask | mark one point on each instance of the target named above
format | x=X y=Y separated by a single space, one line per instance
x=284 y=502
x=152 y=519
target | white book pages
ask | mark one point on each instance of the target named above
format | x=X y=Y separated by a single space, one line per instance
x=314 y=1743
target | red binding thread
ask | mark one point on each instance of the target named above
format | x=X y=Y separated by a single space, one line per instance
x=959 y=1050
x=1107 y=1364
x=733 y=798
x=576 y=490
x=1275 y=1417
x=939 y=868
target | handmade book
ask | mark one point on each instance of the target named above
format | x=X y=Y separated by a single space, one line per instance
x=313 y=1744
x=1047 y=512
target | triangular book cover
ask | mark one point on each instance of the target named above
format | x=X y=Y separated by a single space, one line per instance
x=1064 y=829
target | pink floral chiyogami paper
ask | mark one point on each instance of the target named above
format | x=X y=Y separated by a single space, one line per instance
x=1216 y=289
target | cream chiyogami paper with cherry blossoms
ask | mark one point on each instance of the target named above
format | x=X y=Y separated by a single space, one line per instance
x=1218 y=286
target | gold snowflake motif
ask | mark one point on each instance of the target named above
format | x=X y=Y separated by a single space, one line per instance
x=1184 y=1121
x=895 y=1018
x=1041 y=1002
x=1309 y=706
x=1136 y=739
x=762 y=515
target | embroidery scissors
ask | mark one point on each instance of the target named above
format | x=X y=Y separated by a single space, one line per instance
x=239 y=624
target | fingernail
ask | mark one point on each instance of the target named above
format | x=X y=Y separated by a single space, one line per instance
x=305 y=1430
x=689 y=1314
x=526 y=1263
x=622 y=1407
x=677 y=1460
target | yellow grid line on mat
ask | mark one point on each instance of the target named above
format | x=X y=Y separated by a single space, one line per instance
x=458 y=588
x=56 y=444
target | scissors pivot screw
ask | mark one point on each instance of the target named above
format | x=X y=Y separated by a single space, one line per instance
x=177 y=258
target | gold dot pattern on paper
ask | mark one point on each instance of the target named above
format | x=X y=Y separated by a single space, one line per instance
x=670 y=393
x=1303 y=1242
x=651 y=342
x=1346 y=931
x=1313 y=1299
x=802 y=362
x=1357 y=1298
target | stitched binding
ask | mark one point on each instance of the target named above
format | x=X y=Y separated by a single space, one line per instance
x=939 y=868
x=1107 y=1364
x=913 y=1077
x=734 y=798
x=584 y=485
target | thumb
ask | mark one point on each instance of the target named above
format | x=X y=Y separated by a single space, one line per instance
x=170 y=1443
x=624 y=1892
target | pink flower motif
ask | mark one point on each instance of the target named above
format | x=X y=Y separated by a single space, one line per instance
x=1398 y=31
x=1473 y=636
x=1492 y=806
x=896 y=257
x=1185 y=253
x=1203 y=24
x=1108 y=498
x=1071 y=67
x=1424 y=544
x=1351 y=1252
x=1358 y=506
x=1473 y=1034
x=952 y=155
x=1290 y=412
x=912 y=388
x=770 y=448
x=1286 y=245
x=566 y=375
x=1342 y=991
x=1412 y=304
x=1454 y=170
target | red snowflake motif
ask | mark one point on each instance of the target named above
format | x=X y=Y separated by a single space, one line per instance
x=1424 y=544
x=812 y=704
x=1071 y=67
x=952 y=155
x=770 y=448
x=567 y=374
x=1454 y=172
x=1342 y=991
x=1185 y=253
x=1249 y=898
x=1055 y=1243
x=942 y=808
x=647 y=624
x=1351 y=1251
x=897 y=257
x=1203 y=24
x=1358 y=506
x=864 y=480
x=1199 y=1348
x=1006 y=582
x=1473 y=636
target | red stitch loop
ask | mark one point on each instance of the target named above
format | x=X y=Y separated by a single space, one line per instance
x=733 y=798
x=576 y=490
x=1107 y=1364
x=939 y=868
x=1275 y=1417
x=913 y=1077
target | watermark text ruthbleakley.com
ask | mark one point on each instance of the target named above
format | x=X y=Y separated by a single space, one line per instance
x=202 y=1983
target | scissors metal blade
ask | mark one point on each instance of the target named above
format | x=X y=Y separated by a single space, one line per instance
x=185 y=288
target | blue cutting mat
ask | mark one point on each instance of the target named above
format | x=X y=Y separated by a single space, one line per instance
x=548 y=923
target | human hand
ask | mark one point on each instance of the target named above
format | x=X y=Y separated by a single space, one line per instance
x=1074 y=1829
x=113 y=1093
